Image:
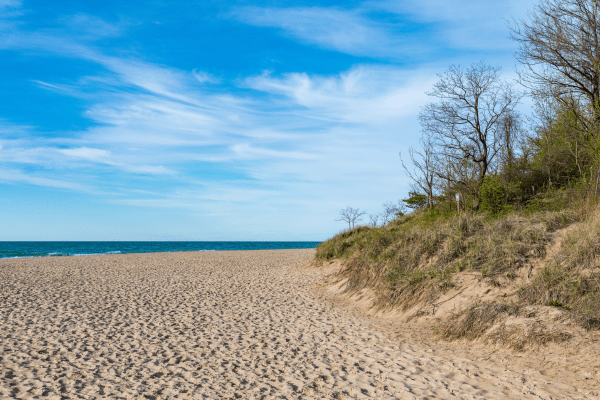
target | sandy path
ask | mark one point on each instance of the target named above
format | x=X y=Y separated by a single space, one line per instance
x=213 y=325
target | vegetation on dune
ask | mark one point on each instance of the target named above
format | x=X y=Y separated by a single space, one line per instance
x=412 y=258
x=572 y=279
x=488 y=191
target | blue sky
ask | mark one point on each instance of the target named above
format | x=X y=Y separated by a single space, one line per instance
x=220 y=120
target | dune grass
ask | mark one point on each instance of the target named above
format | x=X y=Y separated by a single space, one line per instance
x=412 y=258
x=572 y=279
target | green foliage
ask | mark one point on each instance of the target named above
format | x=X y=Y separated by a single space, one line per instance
x=552 y=200
x=492 y=195
x=416 y=201
x=563 y=150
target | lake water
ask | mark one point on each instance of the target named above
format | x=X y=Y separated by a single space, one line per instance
x=55 y=249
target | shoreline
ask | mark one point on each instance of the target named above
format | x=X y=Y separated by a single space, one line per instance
x=119 y=252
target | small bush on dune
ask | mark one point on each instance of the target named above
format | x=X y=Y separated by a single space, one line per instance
x=493 y=195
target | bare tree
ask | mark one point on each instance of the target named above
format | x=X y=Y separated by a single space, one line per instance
x=465 y=124
x=560 y=52
x=391 y=211
x=423 y=175
x=511 y=131
x=374 y=220
x=351 y=216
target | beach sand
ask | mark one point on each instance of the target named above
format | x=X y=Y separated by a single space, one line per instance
x=216 y=325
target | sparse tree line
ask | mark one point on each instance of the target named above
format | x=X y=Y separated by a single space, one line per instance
x=476 y=144
x=390 y=212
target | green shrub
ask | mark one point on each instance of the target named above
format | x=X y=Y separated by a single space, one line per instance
x=416 y=201
x=492 y=195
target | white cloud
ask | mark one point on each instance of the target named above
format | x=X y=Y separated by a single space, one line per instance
x=25 y=151
x=205 y=77
x=92 y=27
x=246 y=151
x=365 y=94
x=13 y=175
x=461 y=24
x=105 y=157
x=398 y=30
x=331 y=28
x=314 y=134
x=455 y=10
x=56 y=87
x=86 y=153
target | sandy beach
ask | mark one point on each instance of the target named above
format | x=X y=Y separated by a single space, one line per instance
x=217 y=325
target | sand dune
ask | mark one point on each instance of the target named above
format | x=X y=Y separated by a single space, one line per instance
x=214 y=325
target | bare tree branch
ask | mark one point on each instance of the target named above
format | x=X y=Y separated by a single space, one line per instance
x=374 y=220
x=391 y=211
x=465 y=124
x=559 y=50
x=350 y=215
x=424 y=162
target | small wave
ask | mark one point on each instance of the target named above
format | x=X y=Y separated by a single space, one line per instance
x=22 y=256
x=96 y=254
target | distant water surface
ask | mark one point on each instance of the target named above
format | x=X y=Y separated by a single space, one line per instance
x=54 y=249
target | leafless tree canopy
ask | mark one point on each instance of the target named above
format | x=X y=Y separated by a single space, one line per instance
x=511 y=137
x=374 y=220
x=560 y=52
x=465 y=125
x=423 y=174
x=391 y=211
x=351 y=216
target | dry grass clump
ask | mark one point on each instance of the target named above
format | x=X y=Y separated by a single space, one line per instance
x=412 y=258
x=489 y=323
x=474 y=322
x=573 y=278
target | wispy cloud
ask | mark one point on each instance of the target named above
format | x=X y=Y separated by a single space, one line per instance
x=87 y=153
x=24 y=150
x=348 y=31
x=365 y=94
x=398 y=30
x=91 y=27
x=319 y=133
x=246 y=151
x=462 y=24
x=13 y=175
x=105 y=157
x=205 y=77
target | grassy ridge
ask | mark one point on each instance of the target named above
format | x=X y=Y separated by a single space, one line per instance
x=413 y=258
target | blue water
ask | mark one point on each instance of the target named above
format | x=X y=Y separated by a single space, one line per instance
x=54 y=249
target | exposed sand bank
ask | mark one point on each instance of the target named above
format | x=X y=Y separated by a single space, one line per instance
x=245 y=324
